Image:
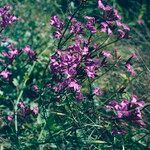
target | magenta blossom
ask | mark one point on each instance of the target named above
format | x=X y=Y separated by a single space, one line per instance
x=140 y=21
x=31 y=54
x=35 y=110
x=12 y=52
x=90 y=25
x=21 y=105
x=57 y=34
x=92 y=66
x=74 y=85
x=56 y=22
x=76 y=26
x=130 y=69
x=35 y=88
x=79 y=96
x=130 y=110
x=6 y=18
x=5 y=74
x=107 y=54
x=102 y=6
x=10 y=118
x=97 y=91
x=105 y=28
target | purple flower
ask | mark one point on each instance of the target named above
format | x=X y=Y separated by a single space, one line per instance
x=79 y=96
x=56 y=22
x=76 y=26
x=105 y=28
x=12 y=52
x=102 y=6
x=118 y=132
x=90 y=25
x=124 y=32
x=29 y=52
x=57 y=34
x=121 y=33
x=21 y=105
x=91 y=71
x=97 y=91
x=5 y=74
x=10 y=118
x=91 y=67
x=130 y=69
x=112 y=15
x=72 y=83
x=130 y=110
x=35 y=88
x=6 y=18
x=107 y=54
x=66 y=62
x=35 y=110
x=140 y=21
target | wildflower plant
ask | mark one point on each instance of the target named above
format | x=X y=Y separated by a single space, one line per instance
x=66 y=103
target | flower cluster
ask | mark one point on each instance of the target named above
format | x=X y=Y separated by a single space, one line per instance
x=72 y=63
x=112 y=21
x=9 y=54
x=6 y=18
x=24 y=111
x=58 y=24
x=76 y=61
x=31 y=54
x=130 y=110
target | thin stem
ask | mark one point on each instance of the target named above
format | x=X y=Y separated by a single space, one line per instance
x=20 y=95
x=69 y=24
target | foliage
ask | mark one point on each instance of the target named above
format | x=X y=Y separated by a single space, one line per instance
x=71 y=82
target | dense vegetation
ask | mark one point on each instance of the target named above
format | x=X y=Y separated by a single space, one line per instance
x=74 y=74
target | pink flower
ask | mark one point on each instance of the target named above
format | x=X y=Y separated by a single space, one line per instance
x=140 y=22
x=130 y=110
x=134 y=56
x=35 y=110
x=121 y=33
x=5 y=74
x=56 y=22
x=30 y=52
x=105 y=28
x=73 y=84
x=57 y=34
x=10 y=118
x=107 y=54
x=21 y=105
x=102 y=6
x=79 y=96
x=130 y=69
x=35 y=88
x=97 y=91
x=90 y=70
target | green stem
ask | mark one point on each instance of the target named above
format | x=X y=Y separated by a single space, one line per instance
x=20 y=95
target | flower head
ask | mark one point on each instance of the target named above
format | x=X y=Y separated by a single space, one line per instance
x=76 y=26
x=21 y=105
x=6 y=18
x=90 y=25
x=5 y=74
x=56 y=22
x=97 y=91
x=10 y=118
x=130 y=110
x=130 y=69
x=35 y=110
x=31 y=54
x=107 y=54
